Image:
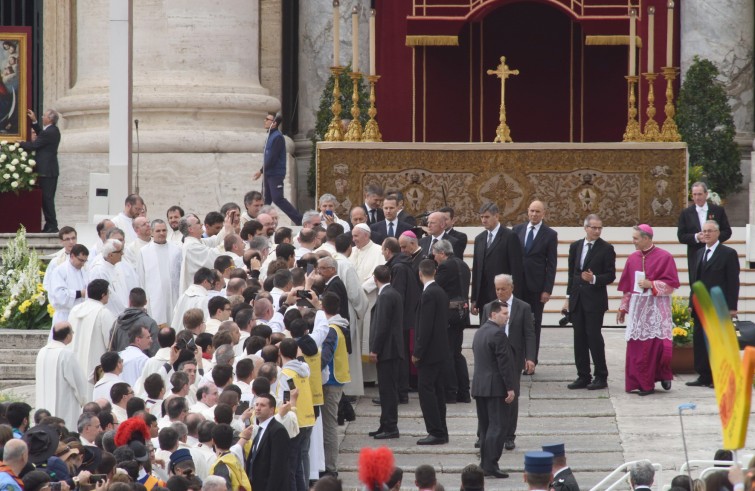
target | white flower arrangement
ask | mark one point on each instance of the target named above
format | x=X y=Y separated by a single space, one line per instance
x=714 y=198
x=17 y=168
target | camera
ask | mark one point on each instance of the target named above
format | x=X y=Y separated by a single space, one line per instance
x=305 y=294
x=566 y=319
x=184 y=345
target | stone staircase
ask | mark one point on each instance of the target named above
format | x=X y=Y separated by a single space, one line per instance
x=44 y=244
x=18 y=354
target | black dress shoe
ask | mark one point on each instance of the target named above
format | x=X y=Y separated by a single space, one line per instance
x=373 y=433
x=477 y=443
x=645 y=392
x=432 y=440
x=597 y=383
x=386 y=435
x=509 y=445
x=464 y=398
x=698 y=383
x=580 y=383
x=376 y=401
x=498 y=473
x=403 y=399
x=450 y=399
x=666 y=384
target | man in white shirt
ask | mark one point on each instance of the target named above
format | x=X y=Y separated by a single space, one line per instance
x=166 y=338
x=88 y=427
x=264 y=314
x=104 y=267
x=219 y=309
x=92 y=321
x=174 y=215
x=112 y=366
x=328 y=204
x=160 y=272
x=133 y=356
x=132 y=208
x=68 y=238
x=253 y=202
x=68 y=283
x=207 y=397
x=143 y=237
x=120 y=394
x=234 y=247
x=200 y=252
x=195 y=296
x=307 y=242
x=102 y=229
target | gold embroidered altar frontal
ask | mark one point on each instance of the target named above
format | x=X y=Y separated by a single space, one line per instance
x=625 y=183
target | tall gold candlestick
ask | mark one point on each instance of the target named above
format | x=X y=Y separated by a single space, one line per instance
x=632 y=132
x=669 y=132
x=335 y=130
x=354 y=133
x=371 y=129
x=652 y=132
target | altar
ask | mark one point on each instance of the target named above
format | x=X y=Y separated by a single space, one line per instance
x=624 y=183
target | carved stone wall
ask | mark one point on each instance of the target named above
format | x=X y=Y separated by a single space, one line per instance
x=624 y=184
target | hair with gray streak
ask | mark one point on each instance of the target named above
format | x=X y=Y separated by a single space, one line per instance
x=111 y=245
x=641 y=473
x=443 y=246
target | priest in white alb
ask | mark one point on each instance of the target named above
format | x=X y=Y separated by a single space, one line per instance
x=68 y=238
x=92 y=322
x=132 y=208
x=366 y=256
x=143 y=236
x=61 y=387
x=159 y=273
x=105 y=267
x=200 y=252
x=68 y=283
x=195 y=297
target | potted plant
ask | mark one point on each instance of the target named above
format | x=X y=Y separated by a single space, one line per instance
x=683 y=359
x=18 y=189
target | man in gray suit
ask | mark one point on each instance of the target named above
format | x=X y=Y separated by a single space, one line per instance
x=492 y=385
x=520 y=331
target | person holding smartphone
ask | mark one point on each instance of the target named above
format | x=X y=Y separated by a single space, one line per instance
x=328 y=204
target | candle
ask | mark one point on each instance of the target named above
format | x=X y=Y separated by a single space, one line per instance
x=354 y=40
x=336 y=34
x=373 y=71
x=670 y=35
x=651 y=39
x=632 y=41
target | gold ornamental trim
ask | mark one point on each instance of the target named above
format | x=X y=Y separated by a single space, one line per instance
x=432 y=40
x=618 y=40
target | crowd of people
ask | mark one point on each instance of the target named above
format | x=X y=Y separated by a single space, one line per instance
x=225 y=352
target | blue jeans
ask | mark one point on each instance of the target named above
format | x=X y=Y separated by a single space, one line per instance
x=274 y=195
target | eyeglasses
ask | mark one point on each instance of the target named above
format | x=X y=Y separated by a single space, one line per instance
x=81 y=260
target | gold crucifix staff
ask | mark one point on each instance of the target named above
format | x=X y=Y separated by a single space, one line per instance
x=502 y=133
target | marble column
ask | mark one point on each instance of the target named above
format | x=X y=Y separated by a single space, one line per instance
x=722 y=31
x=197 y=95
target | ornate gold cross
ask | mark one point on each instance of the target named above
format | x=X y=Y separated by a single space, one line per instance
x=502 y=133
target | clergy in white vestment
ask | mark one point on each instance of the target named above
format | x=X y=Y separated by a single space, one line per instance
x=195 y=297
x=200 y=252
x=143 y=237
x=234 y=247
x=68 y=238
x=92 y=322
x=307 y=242
x=61 y=387
x=207 y=397
x=112 y=367
x=160 y=272
x=174 y=215
x=68 y=283
x=102 y=229
x=357 y=310
x=134 y=356
x=166 y=338
x=104 y=267
x=366 y=256
x=132 y=208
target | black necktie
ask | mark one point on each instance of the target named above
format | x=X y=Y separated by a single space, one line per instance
x=705 y=257
x=256 y=441
x=589 y=248
x=390 y=229
x=530 y=238
x=372 y=216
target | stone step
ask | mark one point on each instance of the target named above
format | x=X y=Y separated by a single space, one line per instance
x=18 y=356
x=24 y=339
x=13 y=384
x=17 y=371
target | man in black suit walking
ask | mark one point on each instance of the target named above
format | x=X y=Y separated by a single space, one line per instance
x=267 y=462
x=496 y=251
x=46 y=148
x=692 y=218
x=453 y=276
x=373 y=196
x=492 y=385
x=387 y=350
x=436 y=227
x=521 y=336
x=460 y=237
x=540 y=245
x=592 y=267
x=390 y=226
x=430 y=355
x=715 y=265
x=327 y=269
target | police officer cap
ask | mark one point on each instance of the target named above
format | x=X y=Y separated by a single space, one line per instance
x=557 y=449
x=538 y=462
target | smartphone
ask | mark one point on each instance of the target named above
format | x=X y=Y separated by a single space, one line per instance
x=329 y=212
x=310 y=268
x=286 y=398
x=55 y=486
x=291 y=384
x=95 y=478
x=304 y=294
x=243 y=406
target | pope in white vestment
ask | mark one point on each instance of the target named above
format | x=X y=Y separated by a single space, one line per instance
x=159 y=275
x=91 y=321
x=60 y=384
x=66 y=285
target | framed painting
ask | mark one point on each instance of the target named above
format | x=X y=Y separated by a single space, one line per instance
x=15 y=63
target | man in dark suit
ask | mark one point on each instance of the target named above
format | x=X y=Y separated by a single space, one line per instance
x=521 y=336
x=492 y=385
x=496 y=251
x=373 y=196
x=540 y=246
x=46 y=146
x=460 y=237
x=715 y=265
x=692 y=218
x=327 y=269
x=436 y=227
x=430 y=354
x=453 y=276
x=404 y=281
x=390 y=226
x=592 y=267
x=267 y=462
x=387 y=350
